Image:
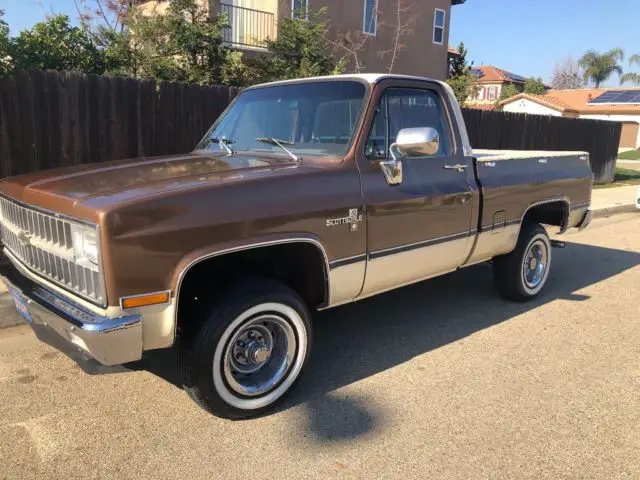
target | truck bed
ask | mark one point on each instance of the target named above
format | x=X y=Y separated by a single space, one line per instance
x=528 y=177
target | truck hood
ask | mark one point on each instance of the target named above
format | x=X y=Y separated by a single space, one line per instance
x=86 y=191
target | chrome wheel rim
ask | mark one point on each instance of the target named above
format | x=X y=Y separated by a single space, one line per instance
x=259 y=355
x=535 y=264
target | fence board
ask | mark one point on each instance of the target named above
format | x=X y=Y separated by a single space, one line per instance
x=52 y=119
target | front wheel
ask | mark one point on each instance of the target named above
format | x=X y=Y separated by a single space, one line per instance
x=522 y=274
x=249 y=351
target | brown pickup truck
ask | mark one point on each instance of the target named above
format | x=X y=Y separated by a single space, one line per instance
x=304 y=195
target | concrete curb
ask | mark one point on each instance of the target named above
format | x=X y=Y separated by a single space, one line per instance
x=617 y=209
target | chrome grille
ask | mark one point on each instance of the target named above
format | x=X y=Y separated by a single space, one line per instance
x=43 y=243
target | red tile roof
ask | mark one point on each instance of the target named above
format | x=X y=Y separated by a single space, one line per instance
x=481 y=106
x=490 y=74
x=577 y=100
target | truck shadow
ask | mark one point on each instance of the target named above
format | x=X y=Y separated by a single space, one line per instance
x=362 y=339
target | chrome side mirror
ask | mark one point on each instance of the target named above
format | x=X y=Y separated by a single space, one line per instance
x=418 y=142
x=410 y=142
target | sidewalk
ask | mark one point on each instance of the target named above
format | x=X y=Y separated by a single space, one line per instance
x=604 y=202
x=630 y=164
x=608 y=201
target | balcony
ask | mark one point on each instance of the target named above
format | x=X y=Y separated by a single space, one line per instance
x=247 y=28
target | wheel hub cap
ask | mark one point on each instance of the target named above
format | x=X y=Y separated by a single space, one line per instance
x=535 y=262
x=259 y=355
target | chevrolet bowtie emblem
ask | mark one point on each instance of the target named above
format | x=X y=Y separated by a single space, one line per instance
x=24 y=238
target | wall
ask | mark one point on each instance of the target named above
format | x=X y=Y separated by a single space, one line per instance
x=419 y=57
x=617 y=118
x=482 y=94
x=525 y=105
x=154 y=7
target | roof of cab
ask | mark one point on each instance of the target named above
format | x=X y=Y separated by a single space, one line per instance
x=370 y=78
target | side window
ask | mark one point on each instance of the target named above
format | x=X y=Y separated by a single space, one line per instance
x=410 y=108
x=407 y=108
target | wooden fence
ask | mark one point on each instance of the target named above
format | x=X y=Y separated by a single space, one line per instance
x=51 y=119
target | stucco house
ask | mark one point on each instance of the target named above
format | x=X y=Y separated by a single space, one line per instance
x=425 y=49
x=615 y=104
x=489 y=81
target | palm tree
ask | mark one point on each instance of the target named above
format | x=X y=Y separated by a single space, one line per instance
x=598 y=67
x=632 y=77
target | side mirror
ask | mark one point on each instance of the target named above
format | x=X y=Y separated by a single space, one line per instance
x=410 y=142
x=417 y=142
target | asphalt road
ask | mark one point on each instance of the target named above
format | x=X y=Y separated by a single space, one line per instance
x=438 y=380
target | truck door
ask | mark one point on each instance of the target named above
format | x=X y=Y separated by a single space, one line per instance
x=423 y=225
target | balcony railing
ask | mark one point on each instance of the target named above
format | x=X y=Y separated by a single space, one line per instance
x=246 y=27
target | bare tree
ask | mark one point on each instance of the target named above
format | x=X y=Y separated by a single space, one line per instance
x=351 y=45
x=404 y=19
x=108 y=13
x=400 y=23
x=567 y=75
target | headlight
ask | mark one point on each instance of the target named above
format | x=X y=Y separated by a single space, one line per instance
x=85 y=246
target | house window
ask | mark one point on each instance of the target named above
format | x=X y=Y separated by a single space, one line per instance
x=370 y=17
x=439 y=18
x=481 y=93
x=300 y=9
x=492 y=93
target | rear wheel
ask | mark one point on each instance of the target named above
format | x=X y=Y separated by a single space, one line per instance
x=522 y=274
x=249 y=351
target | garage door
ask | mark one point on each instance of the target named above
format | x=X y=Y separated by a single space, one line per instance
x=629 y=136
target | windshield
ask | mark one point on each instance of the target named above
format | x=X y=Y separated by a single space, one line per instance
x=311 y=118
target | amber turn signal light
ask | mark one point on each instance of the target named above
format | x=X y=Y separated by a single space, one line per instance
x=145 y=300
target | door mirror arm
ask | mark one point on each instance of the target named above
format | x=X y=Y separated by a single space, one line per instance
x=392 y=169
x=410 y=142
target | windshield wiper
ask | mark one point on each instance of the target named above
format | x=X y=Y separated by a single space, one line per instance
x=224 y=143
x=280 y=143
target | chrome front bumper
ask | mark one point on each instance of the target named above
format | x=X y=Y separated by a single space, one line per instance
x=110 y=341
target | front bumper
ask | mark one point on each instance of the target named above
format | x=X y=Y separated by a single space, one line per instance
x=110 y=341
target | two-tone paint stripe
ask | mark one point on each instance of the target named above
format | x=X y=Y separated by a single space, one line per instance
x=399 y=249
x=427 y=243
x=347 y=261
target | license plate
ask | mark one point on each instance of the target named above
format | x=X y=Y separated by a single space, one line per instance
x=21 y=305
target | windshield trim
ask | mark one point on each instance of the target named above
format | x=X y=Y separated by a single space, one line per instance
x=368 y=88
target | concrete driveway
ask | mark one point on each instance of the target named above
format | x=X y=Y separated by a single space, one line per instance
x=438 y=380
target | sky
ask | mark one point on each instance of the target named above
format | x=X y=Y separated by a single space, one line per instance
x=528 y=37
x=525 y=37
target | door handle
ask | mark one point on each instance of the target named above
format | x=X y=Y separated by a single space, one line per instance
x=459 y=167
